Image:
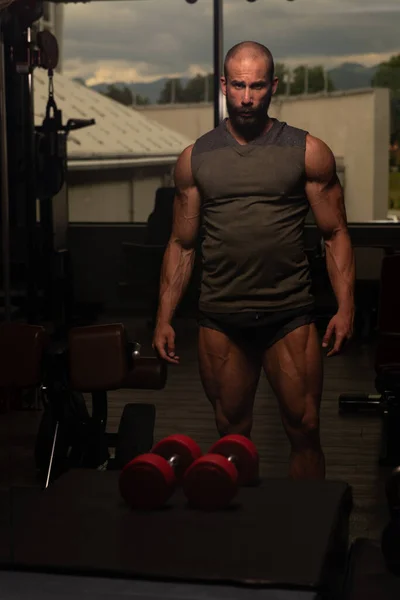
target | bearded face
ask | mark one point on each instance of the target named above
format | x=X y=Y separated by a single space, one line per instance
x=248 y=88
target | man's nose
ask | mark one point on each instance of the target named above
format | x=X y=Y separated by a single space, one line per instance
x=247 y=97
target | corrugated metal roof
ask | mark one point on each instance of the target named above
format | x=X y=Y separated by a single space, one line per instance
x=119 y=132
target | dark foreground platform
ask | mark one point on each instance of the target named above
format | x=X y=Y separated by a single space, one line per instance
x=282 y=535
x=46 y=586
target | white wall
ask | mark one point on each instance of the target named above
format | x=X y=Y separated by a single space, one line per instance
x=357 y=128
x=192 y=120
x=356 y=125
x=115 y=196
x=106 y=201
x=144 y=190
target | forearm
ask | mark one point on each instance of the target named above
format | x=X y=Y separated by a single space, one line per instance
x=176 y=272
x=341 y=268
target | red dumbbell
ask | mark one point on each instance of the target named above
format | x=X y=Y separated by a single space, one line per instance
x=149 y=480
x=212 y=481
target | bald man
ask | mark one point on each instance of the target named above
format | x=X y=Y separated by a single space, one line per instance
x=250 y=182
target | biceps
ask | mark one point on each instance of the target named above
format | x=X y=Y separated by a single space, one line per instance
x=186 y=219
x=327 y=205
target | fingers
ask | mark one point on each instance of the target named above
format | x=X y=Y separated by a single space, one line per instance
x=337 y=346
x=165 y=346
x=171 y=344
x=328 y=334
x=171 y=356
x=172 y=360
x=340 y=340
x=166 y=355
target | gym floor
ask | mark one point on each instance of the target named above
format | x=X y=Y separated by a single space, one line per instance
x=351 y=444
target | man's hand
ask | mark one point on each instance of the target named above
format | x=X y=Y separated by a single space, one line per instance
x=341 y=327
x=164 y=343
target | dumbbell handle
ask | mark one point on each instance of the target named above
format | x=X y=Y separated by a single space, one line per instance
x=236 y=462
x=136 y=350
x=173 y=461
x=178 y=465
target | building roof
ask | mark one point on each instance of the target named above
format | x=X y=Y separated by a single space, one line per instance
x=121 y=134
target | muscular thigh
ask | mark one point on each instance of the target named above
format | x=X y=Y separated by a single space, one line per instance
x=230 y=371
x=293 y=366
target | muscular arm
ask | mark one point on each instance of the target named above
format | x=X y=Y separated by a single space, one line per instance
x=179 y=255
x=325 y=195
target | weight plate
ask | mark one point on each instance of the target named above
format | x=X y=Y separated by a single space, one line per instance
x=183 y=447
x=211 y=482
x=147 y=482
x=244 y=453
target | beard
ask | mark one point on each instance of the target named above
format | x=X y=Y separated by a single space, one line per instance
x=249 y=122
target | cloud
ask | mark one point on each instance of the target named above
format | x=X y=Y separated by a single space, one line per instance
x=142 y=41
x=108 y=71
x=368 y=60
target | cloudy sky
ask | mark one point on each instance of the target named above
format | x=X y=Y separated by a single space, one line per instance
x=144 y=40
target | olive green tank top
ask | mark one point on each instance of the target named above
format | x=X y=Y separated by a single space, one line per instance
x=253 y=212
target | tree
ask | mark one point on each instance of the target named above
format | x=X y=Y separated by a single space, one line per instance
x=199 y=89
x=172 y=92
x=388 y=76
x=124 y=95
x=139 y=100
x=313 y=78
x=281 y=72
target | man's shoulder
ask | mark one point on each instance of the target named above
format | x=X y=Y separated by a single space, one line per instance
x=211 y=140
x=290 y=135
x=318 y=154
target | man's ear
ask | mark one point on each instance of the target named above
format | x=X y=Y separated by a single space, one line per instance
x=223 y=84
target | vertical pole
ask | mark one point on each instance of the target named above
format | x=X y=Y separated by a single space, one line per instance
x=325 y=81
x=5 y=206
x=306 y=80
x=31 y=190
x=218 y=60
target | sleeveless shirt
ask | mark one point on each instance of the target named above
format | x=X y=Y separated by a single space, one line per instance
x=253 y=211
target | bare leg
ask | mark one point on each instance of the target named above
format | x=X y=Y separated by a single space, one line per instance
x=294 y=369
x=230 y=373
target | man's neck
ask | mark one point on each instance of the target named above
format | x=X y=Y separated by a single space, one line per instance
x=243 y=136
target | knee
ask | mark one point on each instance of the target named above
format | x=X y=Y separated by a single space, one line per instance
x=230 y=422
x=310 y=423
x=304 y=430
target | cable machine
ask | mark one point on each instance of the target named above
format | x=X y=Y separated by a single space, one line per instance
x=33 y=160
x=33 y=172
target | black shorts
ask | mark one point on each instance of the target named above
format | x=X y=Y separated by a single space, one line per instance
x=258 y=328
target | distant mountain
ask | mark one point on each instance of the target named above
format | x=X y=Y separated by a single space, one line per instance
x=151 y=90
x=350 y=76
x=347 y=76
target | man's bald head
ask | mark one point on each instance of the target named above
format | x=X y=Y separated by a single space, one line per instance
x=248 y=85
x=250 y=50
